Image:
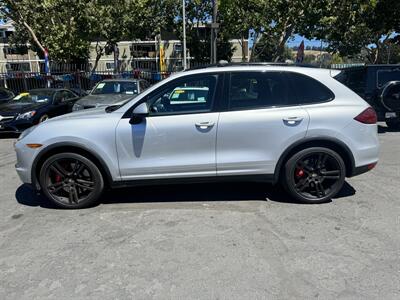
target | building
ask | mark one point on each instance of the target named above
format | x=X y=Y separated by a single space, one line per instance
x=132 y=55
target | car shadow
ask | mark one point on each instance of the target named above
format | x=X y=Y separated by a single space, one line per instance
x=199 y=192
x=8 y=135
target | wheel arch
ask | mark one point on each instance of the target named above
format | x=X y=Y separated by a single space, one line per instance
x=73 y=148
x=331 y=143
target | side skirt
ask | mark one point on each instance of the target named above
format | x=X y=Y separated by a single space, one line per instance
x=269 y=178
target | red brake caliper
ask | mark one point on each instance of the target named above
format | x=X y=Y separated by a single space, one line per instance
x=58 y=178
x=299 y=173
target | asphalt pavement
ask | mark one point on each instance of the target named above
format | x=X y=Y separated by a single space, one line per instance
x=205 y=241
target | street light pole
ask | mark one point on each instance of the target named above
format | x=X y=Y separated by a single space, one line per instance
x=214 y=27
x=184 y=34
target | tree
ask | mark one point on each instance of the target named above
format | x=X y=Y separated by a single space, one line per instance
x=272 y=20
x=266 y=48
x=239 y=17
x=56 y=25
x=67 y=28
x=361 y=25
x=198 y=34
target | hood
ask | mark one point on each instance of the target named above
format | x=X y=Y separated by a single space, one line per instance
x=13 y=108
x=82 y=114
x=104 y=99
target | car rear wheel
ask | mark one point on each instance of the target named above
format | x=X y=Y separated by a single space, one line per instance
x=314 y=175
x=70 y=180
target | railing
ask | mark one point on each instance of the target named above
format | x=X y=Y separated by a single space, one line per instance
x=18 y=81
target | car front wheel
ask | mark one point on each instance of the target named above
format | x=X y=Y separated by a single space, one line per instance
x=314 y=175
x=70 y=180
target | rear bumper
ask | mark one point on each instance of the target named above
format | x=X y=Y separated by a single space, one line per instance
x=363 y=169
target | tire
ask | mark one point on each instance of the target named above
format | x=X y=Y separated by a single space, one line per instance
x=43 y=118
x=393 y=123
x=70 y=180
x=314 y=175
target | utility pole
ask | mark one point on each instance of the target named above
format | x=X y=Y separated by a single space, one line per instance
x=214 y=28
x=184 y=34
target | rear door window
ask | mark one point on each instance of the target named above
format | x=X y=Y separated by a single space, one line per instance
x=249 y=90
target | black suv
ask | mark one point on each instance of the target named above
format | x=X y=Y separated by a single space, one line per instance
x=379 y=85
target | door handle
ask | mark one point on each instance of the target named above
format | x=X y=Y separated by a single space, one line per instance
x=204 y=125
x=292 y=121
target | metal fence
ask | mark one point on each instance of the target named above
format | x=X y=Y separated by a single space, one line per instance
x=20 y=81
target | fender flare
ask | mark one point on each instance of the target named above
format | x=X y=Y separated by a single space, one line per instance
x=315 y=142
x=43 y=152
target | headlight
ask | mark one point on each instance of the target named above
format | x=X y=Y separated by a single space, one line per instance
x=26 y=132
x=77 y=107
x=26 y=116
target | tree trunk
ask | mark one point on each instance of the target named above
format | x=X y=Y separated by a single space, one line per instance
x=244 y=57
x=34 y=37
x=285 y=35
x=99 y=54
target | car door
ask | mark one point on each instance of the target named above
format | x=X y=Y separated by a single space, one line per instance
x=259 y=123
x=178 y=137
x=69 y=99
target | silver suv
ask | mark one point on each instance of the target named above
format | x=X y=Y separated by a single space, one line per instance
x=293 y=125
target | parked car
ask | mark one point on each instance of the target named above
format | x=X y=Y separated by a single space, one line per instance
x=379 y=85
x=33 y=107
x=298 y=126
x=5 y=95
x=112 y=92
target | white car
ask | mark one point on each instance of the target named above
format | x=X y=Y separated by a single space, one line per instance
x=298 y=126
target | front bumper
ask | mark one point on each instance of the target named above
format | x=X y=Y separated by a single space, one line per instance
x=25 y=158
x=15 y=126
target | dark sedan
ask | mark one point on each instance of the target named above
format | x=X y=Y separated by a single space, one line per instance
x=33 y=107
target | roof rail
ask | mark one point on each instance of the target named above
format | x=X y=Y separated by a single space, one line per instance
x=224 y=63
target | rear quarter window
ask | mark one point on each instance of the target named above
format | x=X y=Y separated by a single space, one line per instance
x=308 y=90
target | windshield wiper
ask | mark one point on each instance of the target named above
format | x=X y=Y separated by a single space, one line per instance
x=112 y=108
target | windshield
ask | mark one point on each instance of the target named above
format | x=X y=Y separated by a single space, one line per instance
x=114 y=87
x=34 y=97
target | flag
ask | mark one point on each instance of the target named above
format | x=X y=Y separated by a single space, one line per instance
x=46 y=62
x=300 y=53
x=163 y=67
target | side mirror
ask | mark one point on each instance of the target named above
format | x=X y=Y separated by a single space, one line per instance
x=139 y=113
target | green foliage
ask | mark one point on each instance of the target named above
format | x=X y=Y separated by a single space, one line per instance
x=58 y=25
x=266 y=48
x=274 y=21
x=67 y=27
x=352 y=26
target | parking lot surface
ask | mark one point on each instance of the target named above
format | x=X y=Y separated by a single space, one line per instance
x=205 y=241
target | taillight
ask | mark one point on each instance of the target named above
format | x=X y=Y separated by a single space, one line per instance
x=368 y=116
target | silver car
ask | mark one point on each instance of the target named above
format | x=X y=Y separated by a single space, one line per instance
x=293 y=125
x=111 y=92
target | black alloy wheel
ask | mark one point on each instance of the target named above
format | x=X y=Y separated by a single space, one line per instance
x=314 y=175
x=71 y=180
